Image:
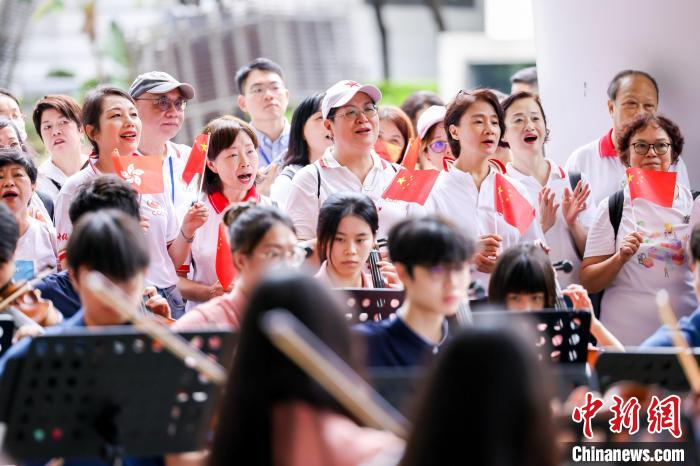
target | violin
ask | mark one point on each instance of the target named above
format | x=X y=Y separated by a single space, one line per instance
x=26 y=305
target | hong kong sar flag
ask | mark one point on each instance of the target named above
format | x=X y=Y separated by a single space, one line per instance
x=143 y=172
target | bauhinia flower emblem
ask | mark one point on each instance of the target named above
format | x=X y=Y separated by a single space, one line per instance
x=132 y=175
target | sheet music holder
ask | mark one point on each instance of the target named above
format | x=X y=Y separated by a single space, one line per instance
x=107 y=394
x=371 y=304
x=7 y=329
x=658 y=366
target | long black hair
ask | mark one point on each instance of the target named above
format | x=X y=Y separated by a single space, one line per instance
x=335 y=209
x=484 y=404
x=298 y=149
x=263 y=378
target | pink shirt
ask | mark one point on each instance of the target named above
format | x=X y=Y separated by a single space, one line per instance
x=224 y=311
x=306 y=436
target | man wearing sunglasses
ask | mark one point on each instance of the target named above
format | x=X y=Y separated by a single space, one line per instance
x=161 y=101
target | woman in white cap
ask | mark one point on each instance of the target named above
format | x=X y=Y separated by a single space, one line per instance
x=434 y=149
x=349 y=110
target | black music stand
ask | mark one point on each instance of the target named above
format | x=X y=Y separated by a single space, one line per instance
x=108 y=394
x=371 y=304
x=658 y=366
x=7 y=329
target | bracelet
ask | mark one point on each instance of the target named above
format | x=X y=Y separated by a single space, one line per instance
x=189 y=240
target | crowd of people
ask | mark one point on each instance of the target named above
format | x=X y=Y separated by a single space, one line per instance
x=309 y=194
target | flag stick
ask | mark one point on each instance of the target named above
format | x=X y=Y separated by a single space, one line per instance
x=201 y=177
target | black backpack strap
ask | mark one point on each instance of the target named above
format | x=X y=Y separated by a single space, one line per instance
x=615 y=206
x=574 y=178
x=695 y=193
x=47 y=201
x=318 y=177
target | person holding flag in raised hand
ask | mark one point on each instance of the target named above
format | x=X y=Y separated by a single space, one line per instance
x=229 y=177
x=637 y=242
x=113 y=127
x=482 y=201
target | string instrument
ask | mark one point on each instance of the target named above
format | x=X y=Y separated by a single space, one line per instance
x=565 y=266
x=25 y=304
x=374 y=259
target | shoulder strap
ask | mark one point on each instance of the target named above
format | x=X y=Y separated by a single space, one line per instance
x=615 y=206
x=574 y=178
x=318 y=177
x=47 y=201
x=695 y=193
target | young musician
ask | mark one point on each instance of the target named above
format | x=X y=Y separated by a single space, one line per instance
x=432 y=261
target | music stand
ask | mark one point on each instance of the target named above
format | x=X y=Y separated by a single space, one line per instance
x=658 y=366
x=7 y=329
x=108 y=394
x=371 y=304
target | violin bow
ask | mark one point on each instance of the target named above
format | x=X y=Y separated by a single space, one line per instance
x=305 y=349
x=110 y=295
x=685 y=354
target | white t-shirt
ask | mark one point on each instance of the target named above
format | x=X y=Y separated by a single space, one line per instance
x=304 y=200
x=456 y=198
x=36 y=249
x=173 y=165
x=162 y=226
x=558 y=237
x=599 y=161
x=279 y=191
x=202 y=257
x=628 y=308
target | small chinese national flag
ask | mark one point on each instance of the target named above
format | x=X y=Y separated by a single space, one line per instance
x=197 y=159
x=412 y=152
x=388 y=151
x=225 y=271
x=411 y=185
x=515 y=208
x=654 y=186
x=143 y=172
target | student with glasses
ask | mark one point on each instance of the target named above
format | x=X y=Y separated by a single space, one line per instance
x=261 y=237
x=351 y=164
x=648 y=249
x=564 y=213
x=161 y=101
x=435 y=150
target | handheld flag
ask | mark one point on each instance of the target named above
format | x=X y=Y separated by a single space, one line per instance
x=654 y=186
x=196 y=161
x=515 y=208
x=144 y=173
x=388 y=151
x=225 y=271
x=412 y=151
x=411 y=185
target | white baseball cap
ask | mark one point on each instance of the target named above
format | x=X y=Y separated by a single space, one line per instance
x=431 y=116
x=342 y=92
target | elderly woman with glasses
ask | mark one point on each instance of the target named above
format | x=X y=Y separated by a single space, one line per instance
x=351 y=164
x=637 y=246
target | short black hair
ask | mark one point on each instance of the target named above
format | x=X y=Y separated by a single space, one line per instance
x=9 y=235
x=427 y=242
x=419 y=100
x=525 y=75
x=523 y=268
x=298 y=149
x=262 y=64
x=108 y=241
x=14 y=156
x=338 y=206
x=105 y=192
x=695 y=244
x=248 y=223
x=614 y=85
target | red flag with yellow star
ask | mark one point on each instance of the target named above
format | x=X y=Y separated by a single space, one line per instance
x=514 y=207
x=411 y=185
x=143 y=172
x=654 y=186
x=197 y=159
x=388 y=151
x=225 y=271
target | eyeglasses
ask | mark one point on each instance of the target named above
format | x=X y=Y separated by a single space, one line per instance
x=163 y=103
x=293 y=258
x=60 y=124
x=642 y=148
x=351 y=115
x=259 y=90
x=438 y=146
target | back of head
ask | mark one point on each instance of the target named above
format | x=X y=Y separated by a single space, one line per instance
x=105 y=192
x=110 y=242
x=334 y=209
x=523 y=268
x=9 y=235
x=262 y=377
x=428 y=242
x=484 y=404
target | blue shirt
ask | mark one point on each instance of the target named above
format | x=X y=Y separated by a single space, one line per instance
x=689 y=326
x=58 y=289
x=269 y=150
x=391 y=343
